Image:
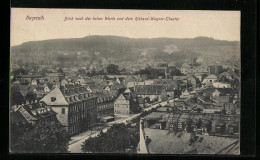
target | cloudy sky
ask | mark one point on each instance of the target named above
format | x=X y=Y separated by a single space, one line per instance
x=223 y=25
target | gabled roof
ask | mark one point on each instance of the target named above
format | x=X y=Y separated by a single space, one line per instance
x=60 y=99
x=196 y=78
x=127 y=91
x=211 y=76
x=226 y=91
x=225 y=74
x=209 y=90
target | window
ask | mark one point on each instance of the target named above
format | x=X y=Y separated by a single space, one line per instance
x=63 y=111
x=53 y=99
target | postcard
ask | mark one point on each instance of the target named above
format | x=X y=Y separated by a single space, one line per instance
x=125 y=81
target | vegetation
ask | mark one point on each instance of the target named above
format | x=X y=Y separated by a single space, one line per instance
x=151 y=73
x=113 y=69
x=42 y=138
x=119 y=138
x=30 y=96
x=123 y=48
x=16 y=97
x=175 y=72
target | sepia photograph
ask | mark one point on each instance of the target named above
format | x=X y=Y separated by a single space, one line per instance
x=125 y=81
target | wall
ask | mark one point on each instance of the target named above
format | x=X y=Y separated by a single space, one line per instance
x=142 y=148
x=63 y=118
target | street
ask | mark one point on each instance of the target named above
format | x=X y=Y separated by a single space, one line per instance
x=77 y=141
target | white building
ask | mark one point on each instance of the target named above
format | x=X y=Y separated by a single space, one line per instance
x=221 y=85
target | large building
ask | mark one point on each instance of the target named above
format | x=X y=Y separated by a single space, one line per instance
x=75 y=106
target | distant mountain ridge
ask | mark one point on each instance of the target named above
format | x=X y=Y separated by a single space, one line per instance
x=115 y=46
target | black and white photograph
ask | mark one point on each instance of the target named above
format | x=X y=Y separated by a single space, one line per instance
x=125 y=81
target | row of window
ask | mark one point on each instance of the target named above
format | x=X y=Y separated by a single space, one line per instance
x=111 y=105
x=104 y=112
x=81 y=106
x=122 y=105
x=74 y=129
x=82 y=115
x=121 y=111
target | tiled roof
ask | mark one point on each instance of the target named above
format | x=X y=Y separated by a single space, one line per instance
x=149 y=89
x=57 y=94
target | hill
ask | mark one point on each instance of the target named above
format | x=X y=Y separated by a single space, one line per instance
x=132 y=48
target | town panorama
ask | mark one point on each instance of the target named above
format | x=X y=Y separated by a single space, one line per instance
x=111 y=94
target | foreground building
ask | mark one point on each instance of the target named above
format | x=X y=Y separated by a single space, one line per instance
x=76 y=108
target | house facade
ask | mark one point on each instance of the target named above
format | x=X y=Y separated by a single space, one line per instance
x=105 y=105
x=125 y=102
x=153 y=92
x=208 y=81
x=221 y=84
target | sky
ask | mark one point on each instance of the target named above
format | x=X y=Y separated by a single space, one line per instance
x=222 y=25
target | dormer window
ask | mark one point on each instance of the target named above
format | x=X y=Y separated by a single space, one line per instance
x=53 y=99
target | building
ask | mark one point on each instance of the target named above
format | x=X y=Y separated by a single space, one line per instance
x=125 y=103
x=54 y=77
x=218 y=84
x=224 y=95
x=192 y=69
x=193 y=81
x=134 y=83
x=76 y=108
x=216 y=69
x=34 y=82
x=153 y=92
x=105 y=105
x=207 y=81
x=31 y=114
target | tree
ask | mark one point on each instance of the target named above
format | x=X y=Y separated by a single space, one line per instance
x=189 y=125
x=113 y=69
x=152 y=73
x=16 y=96
x=175 y=72
x=30 y=96
x=118 y=138
x=136 y=109
x=82 y=71
x=20 y=71
x=209 y=125
x=199 y=123
x=60 y=70
x=43 y=138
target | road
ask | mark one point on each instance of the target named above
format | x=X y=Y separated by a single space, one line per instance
x=77 y=141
